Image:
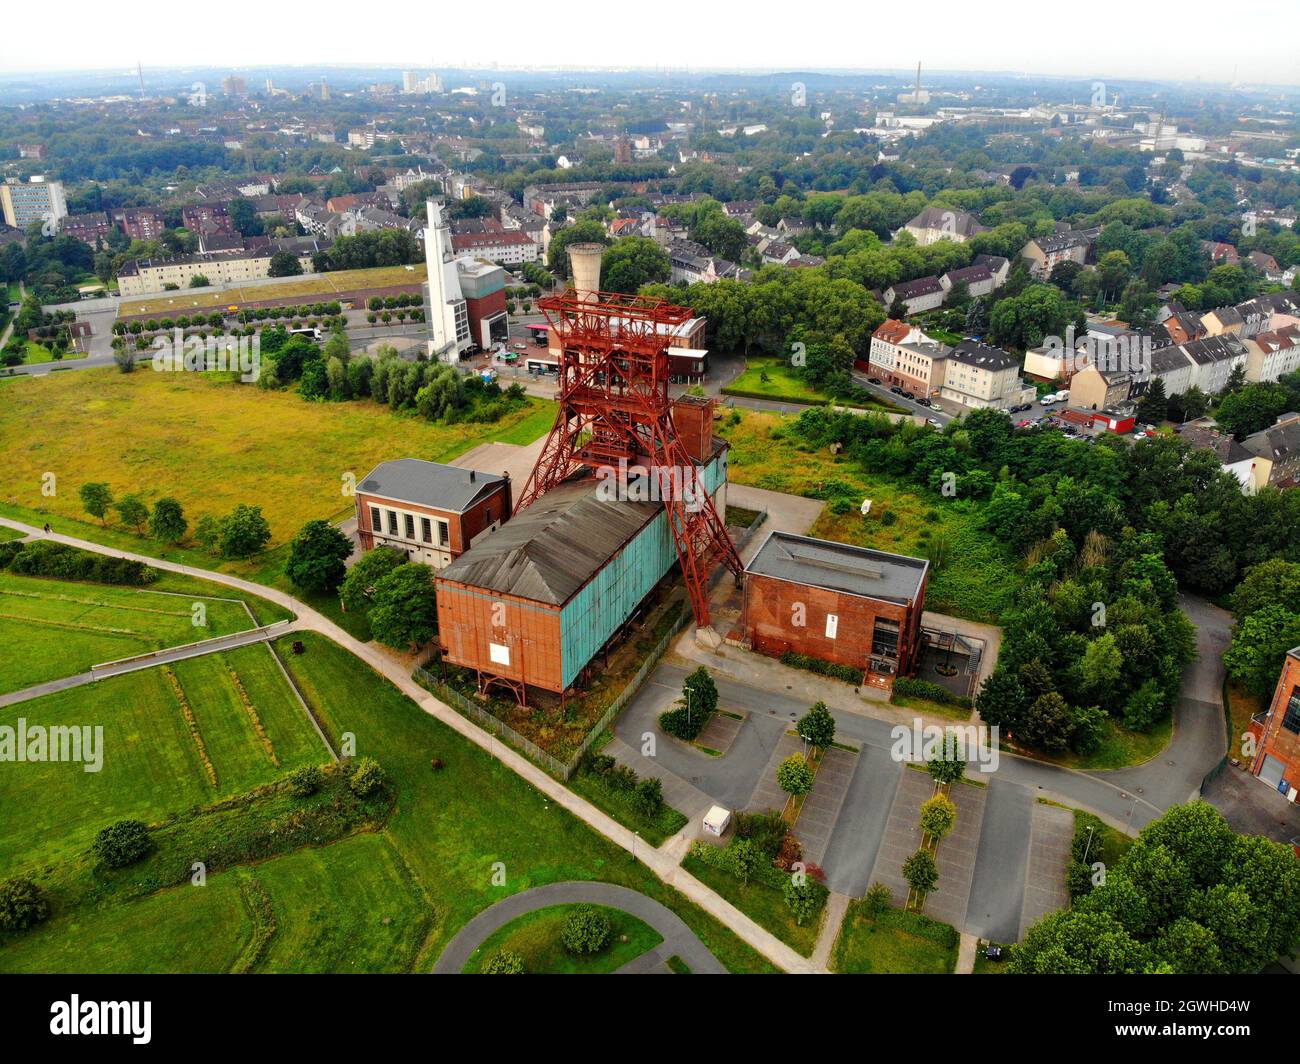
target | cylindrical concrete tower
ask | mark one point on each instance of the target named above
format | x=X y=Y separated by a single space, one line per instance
x=584 y=264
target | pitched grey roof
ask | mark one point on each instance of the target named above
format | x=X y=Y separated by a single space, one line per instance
x=549 y=551
x=840 y=567
x=982 y=356
x=433 y=484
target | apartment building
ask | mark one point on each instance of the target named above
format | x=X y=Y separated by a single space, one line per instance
x=510 y=247
x=140 y=223
x=1044 y=253
x=1277 y=451
x=925 y=293
x=979 y=375
x=142 y=277
x=1271 y=354
x=943 y=223
x=36 y=200
x=91 y=228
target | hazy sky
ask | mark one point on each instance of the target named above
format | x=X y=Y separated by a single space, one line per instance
x=1251 y=39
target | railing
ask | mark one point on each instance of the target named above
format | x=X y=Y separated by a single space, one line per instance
x=549 y=762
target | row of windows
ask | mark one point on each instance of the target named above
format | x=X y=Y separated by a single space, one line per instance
x=406 y=522
x=1291 y=720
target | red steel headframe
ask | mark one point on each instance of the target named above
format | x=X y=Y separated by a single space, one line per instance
x=614 y=406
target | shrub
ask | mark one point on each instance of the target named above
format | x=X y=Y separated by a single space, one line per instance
x=22 y=904
x=767 y=831
x=366 y=777
x=907 y=687
x=888 y=517
x=877 y=900
x=802 y=897
x=790 y=854
x=587 y=930
x=305 y=781
x=503 y=962
x=650 y=796
x=123 y=843
x=822 y=668
x=794 y=776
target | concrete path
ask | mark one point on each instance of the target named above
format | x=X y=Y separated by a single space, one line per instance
x=832 y=919
x=149 y=661
x=665 y=867
x=679 y=939
x=966 y=952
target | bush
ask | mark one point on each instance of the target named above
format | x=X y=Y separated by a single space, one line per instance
x=767 y=831
x=877 y=899
x=22 y=904
x=503 y=962
x=650 y=796
x=366 y=777
x=61 y=562
x=587 y=930
x=123 y=843
x=822 y=668
x=906 y=687
x=305 y=781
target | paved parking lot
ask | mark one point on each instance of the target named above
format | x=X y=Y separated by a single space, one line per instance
x=855 y=842
x=902 y=833
x=956 y=856
x=998 y=887
x=767 y=792
x=1049 y=850
x=822 y=806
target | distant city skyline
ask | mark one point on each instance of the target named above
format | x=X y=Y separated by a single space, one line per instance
x=1101 y=38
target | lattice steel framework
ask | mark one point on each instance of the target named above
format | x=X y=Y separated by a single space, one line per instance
x=615 y=413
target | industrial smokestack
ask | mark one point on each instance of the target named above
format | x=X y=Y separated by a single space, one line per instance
x=584 y=264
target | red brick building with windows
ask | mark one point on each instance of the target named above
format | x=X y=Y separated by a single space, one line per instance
x=843 y=604
x=1277 y=757
x=429 y=511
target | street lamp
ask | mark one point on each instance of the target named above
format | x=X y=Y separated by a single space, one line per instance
x=1087 y=845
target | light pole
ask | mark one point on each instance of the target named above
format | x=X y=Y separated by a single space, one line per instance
x=1087 y=845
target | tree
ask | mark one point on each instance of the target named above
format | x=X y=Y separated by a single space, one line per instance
x=1001 y=701
x=122 y=843
x=243 y=216
x=557 y=259
x=404 y=614
x=243 y=532
x=649 y=797
x=1047 y=723
x=632 y=262
x=802 y=897
x=96 y=498
x=123 y=357
x=358 y=588
x=284 y=264
x=200 y=280
x=1251 y=408
x=947 y=766
x=318 y=556
x=817 y=726
x=22 y=904
x=1259 y=647
x=167 y=523
x=742 y=857
x=132 y=511
x=503 y=962
x=586 y=930
x=794 y=776
x=938 y=814
x=1153 y=407
x=920 y=871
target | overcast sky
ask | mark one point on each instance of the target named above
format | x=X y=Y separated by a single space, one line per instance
x=1251 y=39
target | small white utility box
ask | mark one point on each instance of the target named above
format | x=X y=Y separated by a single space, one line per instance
x=717 y=820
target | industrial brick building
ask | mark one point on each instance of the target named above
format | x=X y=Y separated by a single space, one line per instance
x=532 y=604
x=431 y=512
x=1277 y=758
x=843 y=604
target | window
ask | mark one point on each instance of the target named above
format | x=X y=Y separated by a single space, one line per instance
x=392 y=522
x=376 y=520
x=1291 y=720
x=444 y=534
x=409 y=521
x=884 y=639
x=426 y=530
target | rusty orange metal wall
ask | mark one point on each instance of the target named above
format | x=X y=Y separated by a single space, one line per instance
x=467 y=626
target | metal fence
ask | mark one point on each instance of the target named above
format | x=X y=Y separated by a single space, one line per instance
x=552 y=764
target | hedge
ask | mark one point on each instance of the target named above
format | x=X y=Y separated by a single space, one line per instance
x=824 y=668
x=907 y=687
x=57 y=560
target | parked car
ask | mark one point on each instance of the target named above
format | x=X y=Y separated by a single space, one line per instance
x=933 y=421
x=874 y=380
x=924 y=401
x=896 y=390
x=1026 y=424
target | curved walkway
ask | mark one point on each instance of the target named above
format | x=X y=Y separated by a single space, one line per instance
x=679 y=939
x=664 y=865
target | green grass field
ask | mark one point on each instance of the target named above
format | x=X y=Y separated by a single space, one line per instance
x=265 y=448
x=536 y=938
x=371 y=902
x=765 y=905
x=40 y=353
x=152 y=764
x=894 y=943
x=59 y=628
x=784 y=383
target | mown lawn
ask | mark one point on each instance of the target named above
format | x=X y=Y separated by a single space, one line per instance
x=785 y=383
x=977 y=580
x=54 y=628
x=345 y=906
x=763 y=904
x=893 y=943
x=1119 y=748
x=152 y=764
x=211 y=443
x=535 y=937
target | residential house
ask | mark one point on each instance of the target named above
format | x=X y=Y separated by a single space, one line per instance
x=1235 y=459
x=925 y=293
x=1271 y=354
x=943 y=223
x=979 y=280
x=1278 y=450
x=920 y=365
x=979 y=375
x=1044 y=253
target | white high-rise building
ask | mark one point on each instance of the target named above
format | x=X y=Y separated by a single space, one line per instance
x=447 y=313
